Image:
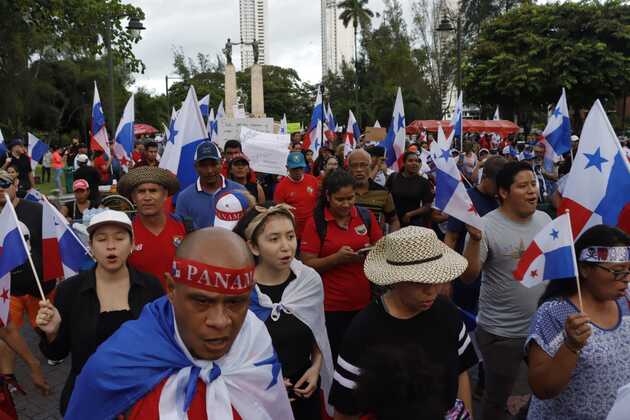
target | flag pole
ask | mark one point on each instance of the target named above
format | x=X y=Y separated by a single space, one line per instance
x=28 y=253
x=575 y=266
x=74 y=235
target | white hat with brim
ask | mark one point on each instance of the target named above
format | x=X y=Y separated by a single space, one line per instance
x=413 y=254
x=110 y=217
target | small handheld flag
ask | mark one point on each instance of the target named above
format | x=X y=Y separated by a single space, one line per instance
x=36 y=150
x=313 y=138
x=353 y=132
x=284 y=125
x=457 y=122
x=124 y=133
x=204 y=105
x=496 y=116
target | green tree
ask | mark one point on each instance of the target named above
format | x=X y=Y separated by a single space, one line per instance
x=524 y=57
x=355 y=11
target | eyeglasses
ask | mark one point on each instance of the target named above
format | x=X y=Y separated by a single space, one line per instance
x=617 y=274
x=4 y=184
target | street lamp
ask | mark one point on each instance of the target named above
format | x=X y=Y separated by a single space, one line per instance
x=134 y=27
x=446 y=26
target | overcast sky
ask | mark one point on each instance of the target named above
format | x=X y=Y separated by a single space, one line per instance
x=204 y=26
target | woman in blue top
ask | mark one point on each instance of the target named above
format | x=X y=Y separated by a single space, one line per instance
x=578 y=361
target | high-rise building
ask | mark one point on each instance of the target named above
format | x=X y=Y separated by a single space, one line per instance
x=253 y=17
x=337 y=40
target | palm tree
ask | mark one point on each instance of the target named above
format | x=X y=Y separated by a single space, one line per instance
x=355 y=11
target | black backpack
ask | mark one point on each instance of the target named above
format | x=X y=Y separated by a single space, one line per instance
x=321 y=225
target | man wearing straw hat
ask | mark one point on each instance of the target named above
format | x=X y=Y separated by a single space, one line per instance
x=156 y=233
x=429 y=347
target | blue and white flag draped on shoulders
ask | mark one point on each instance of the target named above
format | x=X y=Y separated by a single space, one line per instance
x=304 y=299
x=144 y=352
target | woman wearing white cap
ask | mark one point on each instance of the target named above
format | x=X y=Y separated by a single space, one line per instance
x=92 y=305
x=406 y=355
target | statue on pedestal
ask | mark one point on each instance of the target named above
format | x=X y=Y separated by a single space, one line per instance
x=255 y=46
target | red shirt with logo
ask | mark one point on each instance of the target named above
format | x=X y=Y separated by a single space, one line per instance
x=302 y=195
x=149 y=406
x=154 y=254
x=345 y=286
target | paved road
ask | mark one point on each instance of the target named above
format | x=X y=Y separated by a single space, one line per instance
x=33 y=406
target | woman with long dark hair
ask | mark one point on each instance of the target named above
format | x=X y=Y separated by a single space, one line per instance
x=289 y=298
x=578 y=361
x=335 y=241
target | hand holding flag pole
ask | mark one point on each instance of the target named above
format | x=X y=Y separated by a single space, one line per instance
x=28 y=253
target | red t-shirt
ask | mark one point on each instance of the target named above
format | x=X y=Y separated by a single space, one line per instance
x=302 y=195
x=345 y=286
x=100 y=163
x=154 y=254
x=149 y=406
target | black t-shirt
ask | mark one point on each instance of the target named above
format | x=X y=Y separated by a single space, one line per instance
x=22 y=279
x=410 y=193
x=74 y=212
x=438 y=332
x=292 y=339
x=90 y=174
x=23 y=165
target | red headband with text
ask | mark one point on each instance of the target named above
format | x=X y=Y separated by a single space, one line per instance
x=210 y=278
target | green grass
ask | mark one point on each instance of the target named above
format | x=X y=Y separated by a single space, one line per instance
x=45 y=188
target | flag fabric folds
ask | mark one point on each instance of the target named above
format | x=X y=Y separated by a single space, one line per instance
x=496 y=116
x=451 y=196
x=63 y=253
x=457 y=122
x=550 y=256
x=557 y=133
x=597 y=188
x=353 y=132
x=215 y=121
x=394 y=142
x=204 y=106
x=36 y=150
x=124 y=134
x=99 y=140
x=210 y=123
x=189 y=130
x=313 y=138
x=12 y=255
x=283 y=125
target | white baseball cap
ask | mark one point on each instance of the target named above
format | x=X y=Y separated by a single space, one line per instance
x=82 y=158
x=230 y=208
x=110 y=217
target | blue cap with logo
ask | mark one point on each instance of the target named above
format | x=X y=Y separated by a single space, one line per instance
x=296 y=160
x=207 y=150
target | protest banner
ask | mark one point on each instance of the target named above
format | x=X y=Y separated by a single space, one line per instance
x=230 y=128
x=266 y=152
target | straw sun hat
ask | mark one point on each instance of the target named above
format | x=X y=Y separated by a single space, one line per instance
x=413 y=254
x=148 y=174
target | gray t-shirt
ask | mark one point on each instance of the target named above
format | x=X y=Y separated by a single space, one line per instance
x=505 y=305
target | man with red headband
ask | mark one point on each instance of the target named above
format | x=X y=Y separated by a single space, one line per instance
x=197 y=353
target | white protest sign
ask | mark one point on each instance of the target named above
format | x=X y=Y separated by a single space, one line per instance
x=266 y=152
x=230 y=128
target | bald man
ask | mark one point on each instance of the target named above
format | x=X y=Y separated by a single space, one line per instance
x=197 y=353
x=371 y=195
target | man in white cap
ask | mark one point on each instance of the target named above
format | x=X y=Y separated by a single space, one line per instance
x=89 y=173
x=408 y=351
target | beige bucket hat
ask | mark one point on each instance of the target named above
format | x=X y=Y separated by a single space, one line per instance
x=413 y=254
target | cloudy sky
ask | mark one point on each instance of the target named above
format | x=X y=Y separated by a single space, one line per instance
x=204 y=26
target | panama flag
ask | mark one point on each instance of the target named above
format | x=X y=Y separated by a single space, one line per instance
x=190 y=130
x=210 y=123
x=215 y=123
x=63 y=253
x=451 y=196
x=124 y=134
x=12 y=254
x=34 y=196
x=170 y=141
x=557 y=133
x=204 y=105
x=284 y=129
x=394 y=142
x=496 y=116
x=353 y=132
x=36 y=150
x=330 y=125
x=3 y=148
x=550 y=256
x=313 y=137
x=597 y=188
x=457 y=122
x=99 y=140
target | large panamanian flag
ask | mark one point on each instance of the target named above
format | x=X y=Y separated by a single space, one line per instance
x=550 y=256
x=12 y=255
x=598 y=187
x=394 y=142
x=36 y=150
x=125 y=137
x=99 y=140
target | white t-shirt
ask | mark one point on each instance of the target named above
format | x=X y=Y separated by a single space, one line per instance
x=621 y=409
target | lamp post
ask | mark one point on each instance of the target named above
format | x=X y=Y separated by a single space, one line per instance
x=446 y=26
x=134 y=27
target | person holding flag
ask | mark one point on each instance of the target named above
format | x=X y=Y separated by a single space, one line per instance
x=197 y=353
x=92 y=305
x=577 y=348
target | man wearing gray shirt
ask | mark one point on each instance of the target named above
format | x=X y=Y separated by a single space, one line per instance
x=505 y=306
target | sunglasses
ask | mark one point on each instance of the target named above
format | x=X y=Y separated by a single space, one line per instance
x=4 y=184
x=617 y=274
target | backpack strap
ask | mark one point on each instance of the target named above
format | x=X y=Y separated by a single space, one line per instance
x=320 y=225
x=366 y=217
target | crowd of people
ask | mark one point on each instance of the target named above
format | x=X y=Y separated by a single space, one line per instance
x=336 y=291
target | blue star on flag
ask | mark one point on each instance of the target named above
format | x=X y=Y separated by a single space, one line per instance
x=275 y=368
x=172 y=132
x=446 y=154
x=595 y=159
x=554 y=233
x=401 y=121
x=556 y=112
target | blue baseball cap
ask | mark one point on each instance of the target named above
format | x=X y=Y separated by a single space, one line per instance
x=207 y=150
x=296 y=160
